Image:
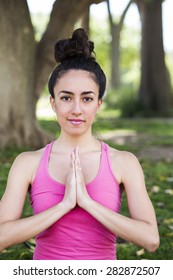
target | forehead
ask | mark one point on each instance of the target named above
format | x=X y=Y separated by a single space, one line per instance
x=77 y=78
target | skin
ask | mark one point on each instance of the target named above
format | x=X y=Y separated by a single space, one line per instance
x=77 y=154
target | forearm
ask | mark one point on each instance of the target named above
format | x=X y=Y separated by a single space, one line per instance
x=136 y=231
x=17 y=231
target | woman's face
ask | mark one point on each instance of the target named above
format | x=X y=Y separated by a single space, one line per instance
x=76 y=102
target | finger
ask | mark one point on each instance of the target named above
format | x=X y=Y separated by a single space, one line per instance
x=79 y=174
x=73 y=160
x=76 y=150
x=77 y=158
x=71 y=173
x=78 y=165
x=72 y=156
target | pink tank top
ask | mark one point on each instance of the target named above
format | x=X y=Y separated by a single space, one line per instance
x=77 y=235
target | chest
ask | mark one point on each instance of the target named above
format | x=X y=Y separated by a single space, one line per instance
x=59 y=164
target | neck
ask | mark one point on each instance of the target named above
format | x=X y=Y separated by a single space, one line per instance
x=84 y=142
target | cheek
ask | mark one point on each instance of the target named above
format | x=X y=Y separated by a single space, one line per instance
x=94 y=109
x=92 y=113
x=60 y=114
x=61 y=109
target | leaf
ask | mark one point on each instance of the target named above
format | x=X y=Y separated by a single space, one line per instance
x=168 y=221
x=162 y=178
x=160 y=204
x=140 y=252
x=170 y=179
x=170 y=234
x=155 y=189
x=169 y=191
x=170 y=227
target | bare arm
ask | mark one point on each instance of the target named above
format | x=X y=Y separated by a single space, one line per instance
x=141 y=227
x=15 y=230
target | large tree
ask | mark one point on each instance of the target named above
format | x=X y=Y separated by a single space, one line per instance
x=115 y=30
x=155 y=92
x=26 y=64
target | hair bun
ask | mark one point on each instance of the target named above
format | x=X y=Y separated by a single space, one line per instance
x=77 y=45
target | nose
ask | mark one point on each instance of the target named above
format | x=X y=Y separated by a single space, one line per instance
x=76 y=108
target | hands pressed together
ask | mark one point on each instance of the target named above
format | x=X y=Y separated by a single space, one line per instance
x=75 y=192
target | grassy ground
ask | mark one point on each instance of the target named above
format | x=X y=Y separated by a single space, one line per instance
x=134 y=135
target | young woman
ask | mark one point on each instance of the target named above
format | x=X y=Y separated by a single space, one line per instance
x=74 y=182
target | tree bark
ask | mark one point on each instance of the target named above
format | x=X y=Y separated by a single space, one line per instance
x=85 y=21
x=115 y=45
x=58 y=27
x=25 y=66
x=155 y=92
x=17 y=53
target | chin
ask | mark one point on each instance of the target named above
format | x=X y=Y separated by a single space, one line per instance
x=76 y=132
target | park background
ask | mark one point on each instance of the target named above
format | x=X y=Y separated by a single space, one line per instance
x=134 y=45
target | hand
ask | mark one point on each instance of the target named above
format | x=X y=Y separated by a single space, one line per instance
x=70 y=188
x=82 y=195
x=75 y=192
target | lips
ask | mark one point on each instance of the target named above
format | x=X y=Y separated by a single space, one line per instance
x=76 y=121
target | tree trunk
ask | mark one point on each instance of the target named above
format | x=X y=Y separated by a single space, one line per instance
x=86 y=20
x=115 y=45
x=115 y=57
x=57 y=28
x=155 y=87
x=17 y=52
x=25 y=67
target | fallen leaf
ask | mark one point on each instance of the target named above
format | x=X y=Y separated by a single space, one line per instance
x=140 y=252
x=162 y=178
x=160 y=204
x=155 y=189
x=170 y=227
x=170 y=234
x=168 y=221
x=169 y=191
x=170 y=179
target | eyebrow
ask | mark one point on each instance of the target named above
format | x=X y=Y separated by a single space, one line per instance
x=71 y=93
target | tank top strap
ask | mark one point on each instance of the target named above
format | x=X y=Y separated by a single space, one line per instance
x=43 y=165
x=106 y=163
x=46 y=154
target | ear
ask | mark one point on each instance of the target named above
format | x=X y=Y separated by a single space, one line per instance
x=52 y=102
x=100 y=102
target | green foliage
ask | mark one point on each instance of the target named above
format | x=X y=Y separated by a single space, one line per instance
x=99 y=33
x=169 y=59
x=124 y=99
x=130 y=54
x=129 y=49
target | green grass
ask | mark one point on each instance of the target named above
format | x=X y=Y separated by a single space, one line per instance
x=160 y=189
x=158 y=175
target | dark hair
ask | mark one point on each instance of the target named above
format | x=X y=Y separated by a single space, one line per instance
x=76 y=53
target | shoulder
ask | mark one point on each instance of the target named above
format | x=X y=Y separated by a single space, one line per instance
x=29 y=157
x=122 y=157
x=26 y=163
x=124 y=164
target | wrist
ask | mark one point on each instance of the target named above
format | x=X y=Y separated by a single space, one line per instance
x=86 y=203
x=67 y=206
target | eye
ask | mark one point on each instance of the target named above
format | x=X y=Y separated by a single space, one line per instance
x=87 y=99
x=65 y=98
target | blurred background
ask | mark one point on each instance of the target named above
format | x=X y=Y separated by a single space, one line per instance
x=134 y=45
